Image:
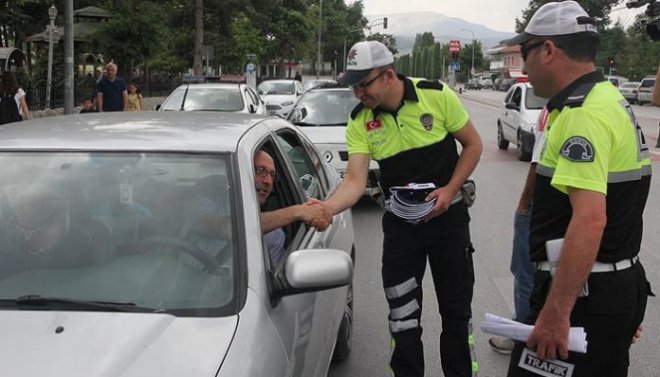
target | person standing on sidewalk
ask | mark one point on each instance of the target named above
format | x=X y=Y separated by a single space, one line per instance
x=592 y=183
x=521 y=265
x=112 y=92
x=410 y=127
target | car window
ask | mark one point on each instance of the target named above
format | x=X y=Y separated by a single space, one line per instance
x=271 y=88
x=532 y=101
x=647 y=83
x=516 y=98
x=323 y=108
x=119 y=227
x=306 y=171
x=207 y=99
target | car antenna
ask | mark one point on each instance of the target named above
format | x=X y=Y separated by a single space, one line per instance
x=185 y=94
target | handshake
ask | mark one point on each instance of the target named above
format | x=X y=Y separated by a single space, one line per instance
x=315 y=213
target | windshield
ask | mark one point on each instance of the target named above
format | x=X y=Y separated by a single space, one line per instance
x=534 y=102
x=153 y=230
x=324 y=108
x=272 y=87
x=205 y=99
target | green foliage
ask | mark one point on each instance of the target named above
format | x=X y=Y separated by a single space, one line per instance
x=423 y=41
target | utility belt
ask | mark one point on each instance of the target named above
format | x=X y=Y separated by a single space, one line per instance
x=597 y=267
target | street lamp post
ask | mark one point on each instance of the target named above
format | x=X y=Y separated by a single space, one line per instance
x=318 y=57
x=52 y=13
x=471 y=70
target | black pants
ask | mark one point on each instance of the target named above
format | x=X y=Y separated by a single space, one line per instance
x=610 y=315
x=445 y=242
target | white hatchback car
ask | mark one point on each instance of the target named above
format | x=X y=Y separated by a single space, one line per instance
x=645 y=90
x=227 y=97
x=629 y=91
x=280 y=95
x=108 y=268
x=322 y=114
x=517 y=120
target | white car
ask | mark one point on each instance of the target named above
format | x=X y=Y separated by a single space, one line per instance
x=322 y=114
x=226 y=97
x=645 y=91
x=131 y=246
x=629 y=90
x=517 y=120
x=280 y=95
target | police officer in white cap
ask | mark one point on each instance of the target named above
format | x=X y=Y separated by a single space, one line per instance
x=410 y=126
x=591 y=185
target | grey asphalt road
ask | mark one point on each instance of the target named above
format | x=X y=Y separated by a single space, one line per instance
x=499 y=179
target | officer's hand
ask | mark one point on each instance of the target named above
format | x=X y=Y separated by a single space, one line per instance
x=443 y=196
x=637 y=335
x=550 y=335
x=318 y=215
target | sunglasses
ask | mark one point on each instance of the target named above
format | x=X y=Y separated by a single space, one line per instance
x=526 y=49
x=365 y=84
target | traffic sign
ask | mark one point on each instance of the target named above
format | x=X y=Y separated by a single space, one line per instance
x=454 y=46
x=455 y=66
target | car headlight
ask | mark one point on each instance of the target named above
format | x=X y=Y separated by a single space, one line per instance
x=287 y=103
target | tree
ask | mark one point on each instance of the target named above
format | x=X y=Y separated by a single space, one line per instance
x=423 y=41
x=199 y=37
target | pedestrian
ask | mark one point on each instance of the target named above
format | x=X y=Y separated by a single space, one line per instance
x=297 y=77
x=521 y=266
x=11 y=88
x=410 y=127
x=135 y=101
x=112 y=93
x=87 y=106
x=591 y=186
x=98 y=75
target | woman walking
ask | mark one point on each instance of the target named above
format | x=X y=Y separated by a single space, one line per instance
x=10 y=88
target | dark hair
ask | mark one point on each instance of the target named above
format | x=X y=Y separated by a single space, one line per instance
x=9 y=85
x=137 y=87
x=580 y=46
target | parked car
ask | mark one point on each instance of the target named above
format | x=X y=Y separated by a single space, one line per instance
x=322 y=114
x=629 y=90
x=517 y=120
x=486 y=83
x=617 y=80
x=645 y=91
x=506 y=84
x=473 y=84
x=104 y=270
x=280 y=95
x=226 y=97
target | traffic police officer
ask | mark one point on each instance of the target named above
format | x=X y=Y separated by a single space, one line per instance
x=592 y=182
x=410 y=127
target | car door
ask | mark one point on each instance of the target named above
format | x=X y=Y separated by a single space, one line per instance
x=511 y=116
x=307 y=323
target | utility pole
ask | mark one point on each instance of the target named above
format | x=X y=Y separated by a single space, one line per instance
x=318 y=57
x=52 y=13
x=68 y=58
x=472 y=69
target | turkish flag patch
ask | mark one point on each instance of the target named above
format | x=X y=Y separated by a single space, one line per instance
x=374 y=124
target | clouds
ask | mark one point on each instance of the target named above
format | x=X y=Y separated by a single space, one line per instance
x=496 y=14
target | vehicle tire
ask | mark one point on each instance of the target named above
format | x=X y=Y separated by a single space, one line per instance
x=502 y=143
x=523 y=155
x=344 y=342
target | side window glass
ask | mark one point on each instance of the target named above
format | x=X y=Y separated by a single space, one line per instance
x=318 y=165
x=517 y=96
x=308 y=177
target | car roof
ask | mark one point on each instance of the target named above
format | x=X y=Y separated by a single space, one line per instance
x=221 y=85
x=280 y=80
x=173 y=131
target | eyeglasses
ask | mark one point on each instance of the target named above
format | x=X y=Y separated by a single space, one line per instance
x=526 y=49
x=263 y=172
x=365 y=84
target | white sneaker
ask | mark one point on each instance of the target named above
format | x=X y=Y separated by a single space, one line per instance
x=501 y=345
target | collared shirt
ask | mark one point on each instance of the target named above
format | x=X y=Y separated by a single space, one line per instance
x=414 y=142
x=592 y=142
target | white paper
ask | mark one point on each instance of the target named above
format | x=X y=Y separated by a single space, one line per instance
x=496 y=325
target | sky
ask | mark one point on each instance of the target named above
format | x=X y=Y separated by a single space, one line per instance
x=498 y=15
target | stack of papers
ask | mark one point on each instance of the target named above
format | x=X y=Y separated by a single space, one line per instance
x=577 y=337
x=409 y=202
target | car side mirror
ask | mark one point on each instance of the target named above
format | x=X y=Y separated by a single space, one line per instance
x=511 y=106
x=313 y=270
x=158 y=107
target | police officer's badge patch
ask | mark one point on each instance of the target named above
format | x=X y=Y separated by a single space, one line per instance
x=427 y=121
x=578 y=149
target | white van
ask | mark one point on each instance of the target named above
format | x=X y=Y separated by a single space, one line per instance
x=645 y=91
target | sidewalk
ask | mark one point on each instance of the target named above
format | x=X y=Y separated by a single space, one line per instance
x=149 y=104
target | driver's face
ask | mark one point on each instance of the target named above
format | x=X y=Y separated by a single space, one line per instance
x=264 y=168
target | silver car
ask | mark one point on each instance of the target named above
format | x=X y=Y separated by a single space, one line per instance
x=629 y=90
x=518 y=118
x=280 y=95
x=226 y=97
x=105 y=270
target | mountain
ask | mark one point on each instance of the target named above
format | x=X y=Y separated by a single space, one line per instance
x=405 y=26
